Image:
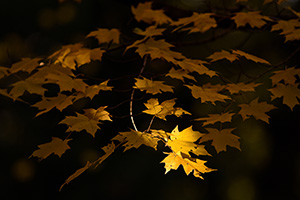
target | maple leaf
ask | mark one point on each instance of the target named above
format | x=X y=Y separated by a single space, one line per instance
x=223 y=55
x=208 y=93
x=183 y=141
x=104 y=35
x=48 y=103
x=81 y=122
x=254 y=19
x=134 y=139
x=290 y=29
x=269 y=1
x=163 y=109
x=3 y=72
x=213 y=118
x=152 y=87
x=221 y=138
x=202 y=22
x=250 y=57
x=180 y=74
x=143 y=12
x=236 y=88
x=290 y=93
x=26 y=65
x=150 y=31
x=288 y=75
x=174 y=160
x=256 y=109
x=157 y=49
x=93 y=90
x=99 y=114
x=109 y=149
x=57 y=146
x=192 y=65
x=30 y=86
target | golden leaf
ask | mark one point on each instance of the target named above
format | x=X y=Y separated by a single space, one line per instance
x=202 y=22
x=213 y=118
x=288 y=75
x=250 y=57
x=93 y=90
x=174 y=160
x=180 y=74
x=99 y=114
x=26 y=65
x=223 y=55
x=150 y=31
x=290 y=93
x=257 y=110
x=57 y=146
x=236 y=88
x=192 y=65
x=134 y=139
x=183 y=141
x=221 y=138
x=67 y=83
x=104 y=35
x=254 y=19
x=143 y=12
x=152 y=87
x=208 y=93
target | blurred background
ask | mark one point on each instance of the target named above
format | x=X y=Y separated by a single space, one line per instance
x=267 y=168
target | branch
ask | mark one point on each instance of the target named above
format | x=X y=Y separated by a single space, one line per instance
x=132 y=94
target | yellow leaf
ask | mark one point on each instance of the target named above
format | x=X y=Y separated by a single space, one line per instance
x=257 y=110
x=93 y=90
x=104 y=35
x=108 y=149
x=221 y=138
x=290 y=93
x=174 y=160
x=236 y=88
x=27 y=85
x=192 y=65
x=180 y=74
x=143 y=12
x=134 y=139
x=183 y=141
x=81 y=122
x=99 y=115
x=208 y=93
x=152 y=87
x=26 y=65
x=67 y=83
x=202 y=22
x=254 y=19
x=150 y=31
x=222 y=55
x=57 y=146
x=250 y=57
x=288 y=75
x=48 y=103
x=213 y=118
x=76 y=174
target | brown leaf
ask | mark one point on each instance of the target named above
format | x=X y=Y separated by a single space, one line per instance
x=254 y=19
x=104 y=35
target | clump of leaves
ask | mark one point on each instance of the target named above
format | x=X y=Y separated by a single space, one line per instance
x=183 y=146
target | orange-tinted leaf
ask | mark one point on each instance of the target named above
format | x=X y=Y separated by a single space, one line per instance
x=104 y=35
x=3 y=72
x=288 y=75
x=256 y=109
x=290 y=93
x=67 y=83
x=27 y=85
x=250 y=57
x=48 y=103
x=26 y=65
x=180 y=74
x=192 y=65
x=223 y=55
x=57 y=146
x=152 y=87
x=208 y=93
x=174 y=160
x=213 y=118
x=202 y=22
x=143 y=12
x=93 y=90
x=254 y=19
x=150 y=31
x=99 y=114
x=134 y=139
x=221 y=138
x=81 y=122
x=241 y=87
x=183 y=141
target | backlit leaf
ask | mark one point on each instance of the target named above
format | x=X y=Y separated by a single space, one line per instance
x=26 y=65
x=250 y=57
x=241 y=87
x=213 y=118
x=222 y=55
x=254 y=19
x=104 y=35
x=288 y=75
x=57 y=146
x=152 y=87
x=221 y=139
x=26 y=85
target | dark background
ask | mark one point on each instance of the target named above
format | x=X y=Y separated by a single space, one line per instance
x=267 y=168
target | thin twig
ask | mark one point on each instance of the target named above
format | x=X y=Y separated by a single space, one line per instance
x=132 y=94
x=150 y=124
